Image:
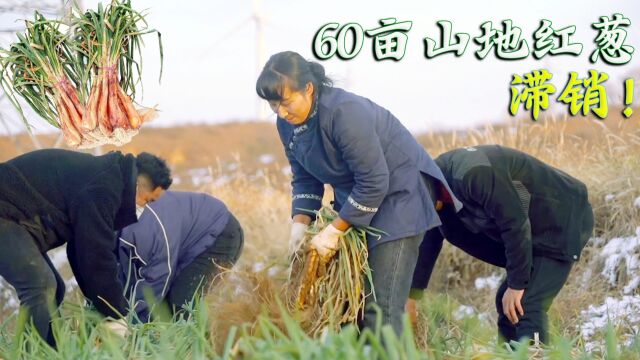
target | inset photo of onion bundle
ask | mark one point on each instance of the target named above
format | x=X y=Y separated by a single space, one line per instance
x=80 y=74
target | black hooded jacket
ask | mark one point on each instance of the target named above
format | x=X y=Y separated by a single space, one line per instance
x=518 y=201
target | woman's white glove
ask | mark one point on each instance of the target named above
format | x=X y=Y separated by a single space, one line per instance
x=326 y=242
x=117 y=327
x=297 y=235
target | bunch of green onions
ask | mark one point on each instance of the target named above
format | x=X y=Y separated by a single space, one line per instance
x=82 y=79
x=38 y=67
x=334 y=293
x=109 y=40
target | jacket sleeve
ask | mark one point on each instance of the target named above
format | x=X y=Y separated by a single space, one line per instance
x=92 y=215
x=153 y=268
x=429 y=251
x=307 y=191
x=356 y=139
x=497 y=195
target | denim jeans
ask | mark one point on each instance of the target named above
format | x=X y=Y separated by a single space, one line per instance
x=39 y=286
x=392 y=264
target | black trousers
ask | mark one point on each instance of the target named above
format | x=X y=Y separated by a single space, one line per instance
x=548 y=276
x=198 y=276
x=39 y=286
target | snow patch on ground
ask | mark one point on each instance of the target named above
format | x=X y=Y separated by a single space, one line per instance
x=266 y=159
x=618 y=251
x=58 y=257
x=233 y=166
x=490 y=282
x=258 y=267
x=200 y=176
x=623 y=312
x=463 y=311
x=8 y=298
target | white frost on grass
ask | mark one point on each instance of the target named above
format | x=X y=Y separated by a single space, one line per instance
x=490 y=282
x=596 y=241
x=486 y=317
x=623 y=250
x=71 y=285
x=619 y=312
x=266 y=159
x=222 y=180
x=273 y=271
x=232 y=166
x=8 y=298
x=258 y=267
x=200 y=176
x=463 y=311
x=58 y=257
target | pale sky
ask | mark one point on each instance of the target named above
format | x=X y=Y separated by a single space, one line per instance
x=211 y=64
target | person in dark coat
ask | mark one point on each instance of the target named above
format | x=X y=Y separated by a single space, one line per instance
x=52 y=197
x=177 y=247
x=377 y=169
x=519 y=214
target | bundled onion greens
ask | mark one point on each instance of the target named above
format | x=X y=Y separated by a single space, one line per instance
x=333 y=293
x=38 y=67
x=109 y=40
x=82 y=78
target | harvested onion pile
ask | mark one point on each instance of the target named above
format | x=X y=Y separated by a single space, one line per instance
x=81 y=78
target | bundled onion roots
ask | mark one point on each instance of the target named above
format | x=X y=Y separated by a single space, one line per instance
x=316 y=295
x=332 y=294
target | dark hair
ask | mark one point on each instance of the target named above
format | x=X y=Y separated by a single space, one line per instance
x=155 y=168
x=290 y=68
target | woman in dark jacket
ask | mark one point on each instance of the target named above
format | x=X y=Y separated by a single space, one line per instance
x=378 y=171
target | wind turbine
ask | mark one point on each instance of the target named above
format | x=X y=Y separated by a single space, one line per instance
x=260 y=21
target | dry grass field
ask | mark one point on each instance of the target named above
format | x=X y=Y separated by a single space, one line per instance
x=243 y=164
